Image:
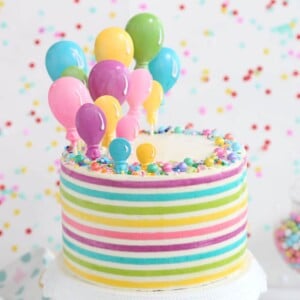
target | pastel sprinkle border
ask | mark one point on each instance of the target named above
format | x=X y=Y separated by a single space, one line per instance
x=144 y=184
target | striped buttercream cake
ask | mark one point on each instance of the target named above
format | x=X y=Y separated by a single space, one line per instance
x=154 y=232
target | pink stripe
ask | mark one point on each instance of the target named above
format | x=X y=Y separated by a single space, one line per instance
x=152 y=235
x=153 y=248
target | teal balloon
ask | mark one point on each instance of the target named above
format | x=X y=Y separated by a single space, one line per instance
x=165 y=68
x=62 y=55
x=120 y=150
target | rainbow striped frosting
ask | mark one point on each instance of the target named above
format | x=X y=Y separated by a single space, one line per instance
x=154 y=232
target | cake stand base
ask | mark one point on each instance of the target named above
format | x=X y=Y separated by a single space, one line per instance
x=59 y=284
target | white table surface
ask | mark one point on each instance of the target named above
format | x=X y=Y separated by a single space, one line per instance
x=60 y=284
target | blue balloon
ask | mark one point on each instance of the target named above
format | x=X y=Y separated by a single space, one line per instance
x=120 y=150
x=62 y=55
x=165 y=68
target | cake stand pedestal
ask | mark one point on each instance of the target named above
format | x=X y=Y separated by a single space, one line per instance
x=59 y=284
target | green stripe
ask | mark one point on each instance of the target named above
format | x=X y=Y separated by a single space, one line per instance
x=157 y=197
x=154 y=273
x=153 y=210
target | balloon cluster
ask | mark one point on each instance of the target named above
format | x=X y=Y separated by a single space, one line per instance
x=88 y=103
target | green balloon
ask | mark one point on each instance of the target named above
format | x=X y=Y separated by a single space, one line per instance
x=147 y=34
x=76 y=72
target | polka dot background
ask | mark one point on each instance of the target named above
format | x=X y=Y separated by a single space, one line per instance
x=240 y=73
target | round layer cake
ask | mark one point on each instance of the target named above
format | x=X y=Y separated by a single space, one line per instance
x=179 y=222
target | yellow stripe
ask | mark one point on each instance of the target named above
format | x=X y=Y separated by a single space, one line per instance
x=148 y=223
x=159 y=284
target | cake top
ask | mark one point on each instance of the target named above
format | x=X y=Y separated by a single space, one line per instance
x=168 y=151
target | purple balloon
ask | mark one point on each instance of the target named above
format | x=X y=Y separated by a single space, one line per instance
x=109 y=77
x=91 y=125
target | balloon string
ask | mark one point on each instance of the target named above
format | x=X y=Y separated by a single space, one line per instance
x=151 y=129
x=141 y=65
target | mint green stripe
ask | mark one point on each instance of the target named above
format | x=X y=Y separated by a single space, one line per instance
x=153 y=260
x=154 y=273
x=157 y=197
x=152 y=210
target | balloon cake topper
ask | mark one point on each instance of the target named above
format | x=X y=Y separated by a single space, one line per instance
x=132 y=67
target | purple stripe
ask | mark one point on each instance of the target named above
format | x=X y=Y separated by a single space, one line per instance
x=161 y=183
x=154 y=248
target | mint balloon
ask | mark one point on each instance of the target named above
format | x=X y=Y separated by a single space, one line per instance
x=91 y=126
x=75 y=72
x=146 y=31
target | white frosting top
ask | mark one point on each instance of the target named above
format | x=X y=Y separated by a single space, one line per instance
x=169 y=152
x=175 y=147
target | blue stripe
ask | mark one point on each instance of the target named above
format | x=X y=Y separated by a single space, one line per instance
x=153 y=197
x=154 y=260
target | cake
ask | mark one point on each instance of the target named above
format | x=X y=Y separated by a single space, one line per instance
x=181 y=222
x=142 y=210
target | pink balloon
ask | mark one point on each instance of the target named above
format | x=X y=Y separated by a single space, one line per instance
x=66 y=95
x=91 y=125
x=128 y=127
x=139 y=90
x=109 y=77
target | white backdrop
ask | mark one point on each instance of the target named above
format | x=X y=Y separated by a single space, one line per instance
x=240 y=73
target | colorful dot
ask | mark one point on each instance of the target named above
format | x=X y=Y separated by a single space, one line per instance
x=268 y=91
x=14 y=248
x=182 y=7
x=6 y=225
x=17 y=212
x=28 y=231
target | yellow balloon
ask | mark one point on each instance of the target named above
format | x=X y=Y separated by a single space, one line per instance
x=114 y=43
x=145 y=153
x=153 y=102
x=112 y=110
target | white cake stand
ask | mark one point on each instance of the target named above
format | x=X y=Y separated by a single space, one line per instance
x=59 y=284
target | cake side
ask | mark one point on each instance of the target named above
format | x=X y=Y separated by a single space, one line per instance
x=155 y=232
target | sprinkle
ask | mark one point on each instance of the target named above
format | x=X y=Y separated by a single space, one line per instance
x=152 y=168
x=287 y=238
x=189 y=161
x=209 y=162
x=219 y=141
x=167 y=167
